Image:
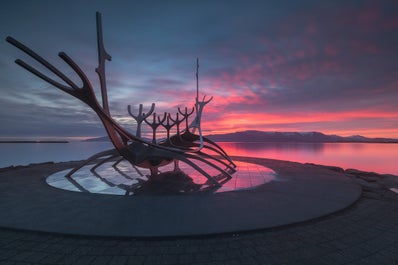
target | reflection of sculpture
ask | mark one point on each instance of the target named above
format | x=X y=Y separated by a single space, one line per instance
x=185 y=145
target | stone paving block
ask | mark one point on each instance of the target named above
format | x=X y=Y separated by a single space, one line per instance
x=265 y=259
x=111 y=251
x=393 y=248
x=96 y=242
x=170 y=259
x=124 y=244
x=81 y=241
x=186 y=259
x=96 y=250
x=84 y=260
x=68 y=259
x=82 y=250
x=348 y=254
x=28 y=245
x=40 y=246
x=153 y=259
x=36 y=257
x=208 y=248
x=54 y=248
x=5 y=262
x=248 y=261
x=262 y=250
x=4 y=242
x=218 y=248
x=128 y=251
x=55 y=240
x=7 y=254
x=217 y=263
x=218 y=255
x=118 y=260
x=22 y=263
x=52 y=258
x=148 y=250
x=338 y=257
x=387 y=256
x=232 y=262
x=233 y=254
x=389 y=238
x=101 y=260
x=234 y=244
x=315 y=261
x=373 y=259
x=173 y=250
x=276 y=247
x=136 y=260
x=67 y=249
x=15 y=244
x=247 y=251
x=23 y=256
x=191 y=249
x=201 y=257
x=109 y=243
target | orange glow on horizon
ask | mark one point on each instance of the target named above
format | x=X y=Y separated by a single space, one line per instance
x=346 y=123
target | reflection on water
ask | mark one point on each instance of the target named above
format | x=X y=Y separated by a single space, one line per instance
x=381 y=158
x=124 y=180
x=259 y=148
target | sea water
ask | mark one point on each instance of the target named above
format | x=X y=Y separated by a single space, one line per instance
x=381 y=158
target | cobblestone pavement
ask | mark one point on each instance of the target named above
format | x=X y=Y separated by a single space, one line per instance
x=365 y=233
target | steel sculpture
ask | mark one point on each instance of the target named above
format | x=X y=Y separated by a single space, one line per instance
x=184 y=146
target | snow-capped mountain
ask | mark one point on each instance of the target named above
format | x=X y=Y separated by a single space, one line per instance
x=311 y=137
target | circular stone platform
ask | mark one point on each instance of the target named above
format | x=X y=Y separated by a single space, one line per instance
x=298 y=193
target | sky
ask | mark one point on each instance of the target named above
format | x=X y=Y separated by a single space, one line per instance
x=327 y=66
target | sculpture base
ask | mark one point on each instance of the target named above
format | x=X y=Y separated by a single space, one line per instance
x=298 y=193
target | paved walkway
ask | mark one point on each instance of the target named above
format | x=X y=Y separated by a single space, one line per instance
x=365 y=233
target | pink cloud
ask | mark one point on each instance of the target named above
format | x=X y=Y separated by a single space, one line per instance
x=344 y=123
x=369 y=15
x=331 y=50
x=390 y=23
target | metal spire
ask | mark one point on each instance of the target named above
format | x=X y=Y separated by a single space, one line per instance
x=197 y=79
x=102 y=56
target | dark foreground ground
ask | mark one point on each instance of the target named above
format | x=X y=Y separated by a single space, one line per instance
x=364 y=233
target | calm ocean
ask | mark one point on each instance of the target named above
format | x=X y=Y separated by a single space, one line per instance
x=381 y=158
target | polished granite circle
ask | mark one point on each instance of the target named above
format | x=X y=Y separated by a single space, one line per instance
x=297 y=193
x=127 y=180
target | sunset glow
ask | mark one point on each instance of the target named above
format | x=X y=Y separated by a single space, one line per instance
x=327 y=67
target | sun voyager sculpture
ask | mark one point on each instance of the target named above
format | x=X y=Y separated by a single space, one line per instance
x=184 y=141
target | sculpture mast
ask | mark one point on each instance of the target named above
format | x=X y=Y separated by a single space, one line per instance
x=102 y=56
x=197 y=82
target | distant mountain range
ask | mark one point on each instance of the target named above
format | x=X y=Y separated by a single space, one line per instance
x=307 y=137
x=303 y=137
x=98 y=139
